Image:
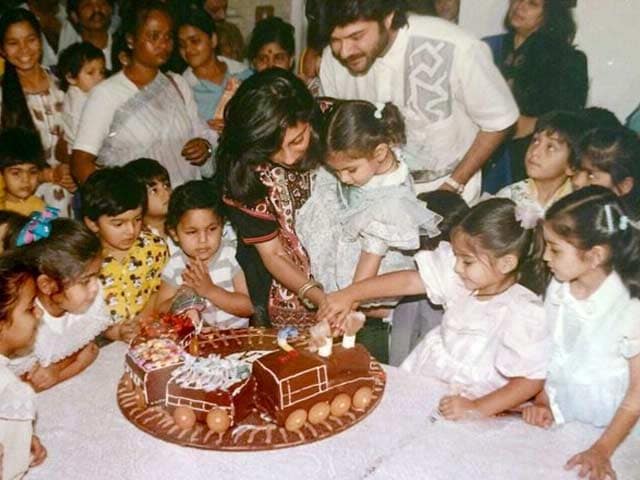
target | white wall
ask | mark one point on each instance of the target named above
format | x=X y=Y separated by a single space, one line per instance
x=607 y=32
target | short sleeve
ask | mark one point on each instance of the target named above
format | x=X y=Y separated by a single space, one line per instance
x=95 y=121
x=171 y=273
x=526 y=345
x=252 y=229
x=437 y=272
x=480 y=80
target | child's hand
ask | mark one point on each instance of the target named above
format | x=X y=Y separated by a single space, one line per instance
x=593 y=462
x=456 y=407
x=129 y=329
x=538 y=415
x=196 y=276
x=62 y=176
x=38 y=452
x=216 y=124
x=335 y=308
x=43 y=377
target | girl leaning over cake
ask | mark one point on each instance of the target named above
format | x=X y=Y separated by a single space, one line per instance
x=66 y=257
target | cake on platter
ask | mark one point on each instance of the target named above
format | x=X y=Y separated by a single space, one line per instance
x=243 y=389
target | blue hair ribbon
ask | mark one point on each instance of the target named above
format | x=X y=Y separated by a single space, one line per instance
x=38 y=227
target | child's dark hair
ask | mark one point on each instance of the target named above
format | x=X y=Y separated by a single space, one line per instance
x=65 y=253
x=615 y=151
x=358 y=127
x=13 y=222
x=73 y=58
x=595 y=216
x=147 y=171
x=255 y=122
x=451 y=207
x=20 y=145
x=15 y=111
x=193 y=195
x=14 y=273
x=599 y=117
x=494 y=226
x=569 y=126
x=271 y=30
x=111 y=191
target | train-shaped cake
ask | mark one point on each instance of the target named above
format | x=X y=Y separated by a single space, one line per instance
x=219 y=377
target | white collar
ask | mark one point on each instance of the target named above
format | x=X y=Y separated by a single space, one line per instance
x=392 y=178
x=610 y=293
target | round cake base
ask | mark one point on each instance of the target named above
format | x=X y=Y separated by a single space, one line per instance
x=254 y=432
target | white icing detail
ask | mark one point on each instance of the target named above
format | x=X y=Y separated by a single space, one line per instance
x=210 y=373
x=349 y=341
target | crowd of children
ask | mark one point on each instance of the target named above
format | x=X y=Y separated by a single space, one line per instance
x=532 y=296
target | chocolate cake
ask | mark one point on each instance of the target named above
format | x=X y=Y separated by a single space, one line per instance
x=238 y=390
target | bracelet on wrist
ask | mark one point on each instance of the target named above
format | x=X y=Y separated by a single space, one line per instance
x=457 y=186
x=304 y=289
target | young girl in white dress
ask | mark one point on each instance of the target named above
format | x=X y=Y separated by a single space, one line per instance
x=19 y=318
x=593 y=251
x=69 y=293
x=363 y=216
x=494 y=343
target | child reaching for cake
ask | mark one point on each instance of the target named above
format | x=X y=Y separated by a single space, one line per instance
x=113 y=206
x=593 y=250
x=363 y=217
x=19 y=317
x=66 y=257
x=204 y=275
x=494 y=343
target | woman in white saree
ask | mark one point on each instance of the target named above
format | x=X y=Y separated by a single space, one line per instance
x=142 y=112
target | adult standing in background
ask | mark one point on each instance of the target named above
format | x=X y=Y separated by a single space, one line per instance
x=544 y=70
x=93 y=21
x=143 y=112
x=457 y=106
x=53 y=25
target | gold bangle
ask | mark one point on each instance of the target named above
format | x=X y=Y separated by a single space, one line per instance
x=304 y=289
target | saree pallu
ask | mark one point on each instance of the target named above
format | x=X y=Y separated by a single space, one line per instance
x=154 y=123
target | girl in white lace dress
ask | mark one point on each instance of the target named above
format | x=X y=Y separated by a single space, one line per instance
x=69 y=293
x=19 y=318
x=363 y=216
x=494 y=343
x=593 y=250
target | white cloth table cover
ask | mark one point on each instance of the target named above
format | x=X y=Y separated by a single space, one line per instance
x=87 y=437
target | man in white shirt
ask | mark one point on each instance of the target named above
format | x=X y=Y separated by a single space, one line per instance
x=456 y=104
x=93 y=21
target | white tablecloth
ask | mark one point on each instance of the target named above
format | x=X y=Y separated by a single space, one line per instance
x=88 y=438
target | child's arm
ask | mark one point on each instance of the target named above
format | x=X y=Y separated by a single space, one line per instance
x=597 y=459
x=517 y=391
x=368 y=266
x=396 y=284
x=197 y=277
x=165 y=296
x=38 y=452
x=43 y=378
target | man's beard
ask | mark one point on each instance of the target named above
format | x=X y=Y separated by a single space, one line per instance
x=372 y=56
